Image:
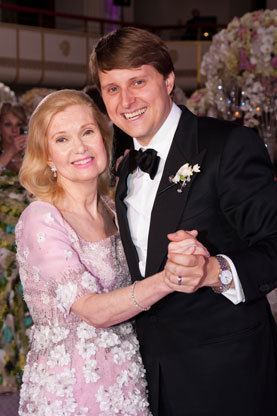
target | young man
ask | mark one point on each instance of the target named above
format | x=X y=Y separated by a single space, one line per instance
x=209 y=348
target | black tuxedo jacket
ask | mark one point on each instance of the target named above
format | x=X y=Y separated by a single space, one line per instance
x=203 y=354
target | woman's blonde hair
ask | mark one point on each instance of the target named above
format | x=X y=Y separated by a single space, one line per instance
x=35 y=174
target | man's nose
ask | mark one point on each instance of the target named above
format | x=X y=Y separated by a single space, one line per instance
x=127 y=98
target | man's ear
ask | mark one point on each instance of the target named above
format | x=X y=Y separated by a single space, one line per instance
x=169 y=82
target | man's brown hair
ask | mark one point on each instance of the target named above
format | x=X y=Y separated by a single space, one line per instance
x=128 y=48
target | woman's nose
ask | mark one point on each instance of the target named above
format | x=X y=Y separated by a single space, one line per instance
x=79 y=146
x=16 y=130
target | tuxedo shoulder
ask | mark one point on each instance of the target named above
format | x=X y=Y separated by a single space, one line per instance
x=215 y=130
x=216 y=124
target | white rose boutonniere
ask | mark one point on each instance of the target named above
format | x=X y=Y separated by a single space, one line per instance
x=183 y=176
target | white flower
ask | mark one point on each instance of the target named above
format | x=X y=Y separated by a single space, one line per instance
x=40 y=237
x=123 y=378
x=85 y=331
x=183 y=175
x=86 y=350
x=185 y=172
x=48 y=218
x=58 y=356
x=66 y=295
x=196 y=168
x=62 y=382
x=68 y=254
x=36 y=273
x=45 y=299
x=90 y=371
x=26 y=253
x=119 y=355
x=88 y=282
x=41 y=338
x=72 y=237
x=126 y=328
x=108 y=339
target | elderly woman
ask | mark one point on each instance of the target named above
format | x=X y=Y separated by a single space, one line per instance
x=84 y=358
x=14 y=316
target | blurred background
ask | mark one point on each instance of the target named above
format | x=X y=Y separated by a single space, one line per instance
x=47 y=42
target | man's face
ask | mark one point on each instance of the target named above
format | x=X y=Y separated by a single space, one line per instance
x=137 y=100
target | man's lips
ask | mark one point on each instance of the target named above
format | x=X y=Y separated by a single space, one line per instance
x=134 y=114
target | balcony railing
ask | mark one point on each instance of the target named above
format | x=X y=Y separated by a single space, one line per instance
x=33 y=16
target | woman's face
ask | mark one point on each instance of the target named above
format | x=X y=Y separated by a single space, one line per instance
x=10 y=128
x=76 y=147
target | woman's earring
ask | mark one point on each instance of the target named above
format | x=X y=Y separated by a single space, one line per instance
x=54 y=170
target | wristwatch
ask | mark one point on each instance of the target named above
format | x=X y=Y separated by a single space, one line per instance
x=225 y=275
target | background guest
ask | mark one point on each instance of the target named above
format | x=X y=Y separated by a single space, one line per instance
x=14 y=316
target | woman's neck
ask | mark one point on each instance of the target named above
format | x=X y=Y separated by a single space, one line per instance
x=80 y=197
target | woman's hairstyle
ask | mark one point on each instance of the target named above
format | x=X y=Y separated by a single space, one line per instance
x=128 y=48
x=16 y=109
x=35 y=174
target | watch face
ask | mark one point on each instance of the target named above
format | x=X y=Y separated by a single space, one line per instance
x=226 y=277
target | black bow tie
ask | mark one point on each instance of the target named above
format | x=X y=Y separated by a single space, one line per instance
x=147 y=161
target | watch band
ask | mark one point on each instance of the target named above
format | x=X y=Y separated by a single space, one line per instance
x=224 y=270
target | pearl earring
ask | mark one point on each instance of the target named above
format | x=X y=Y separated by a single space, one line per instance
x=54 y=170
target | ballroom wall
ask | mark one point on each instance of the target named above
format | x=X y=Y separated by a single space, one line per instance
x=162 y=12
x=59 y=58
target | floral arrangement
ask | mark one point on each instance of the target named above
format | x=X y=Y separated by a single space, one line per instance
x=6 y=94
x=198 y=102
x=15 y=319
x=31 y=98
x=241 y=67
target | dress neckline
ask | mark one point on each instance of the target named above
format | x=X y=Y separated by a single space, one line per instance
x=109 y=237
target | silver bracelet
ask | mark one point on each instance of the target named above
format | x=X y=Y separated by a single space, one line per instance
x=135 y=302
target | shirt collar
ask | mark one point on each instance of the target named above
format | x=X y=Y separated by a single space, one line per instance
x=162 y=140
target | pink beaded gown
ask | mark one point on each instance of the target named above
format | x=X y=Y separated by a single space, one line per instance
x=74 y=369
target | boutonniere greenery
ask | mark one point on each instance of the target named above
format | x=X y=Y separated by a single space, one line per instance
x=183 y=176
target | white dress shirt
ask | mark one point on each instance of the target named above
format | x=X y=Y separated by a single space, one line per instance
x=142 y=192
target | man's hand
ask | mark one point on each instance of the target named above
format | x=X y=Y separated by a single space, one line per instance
x=185 y=242
x=189 y=265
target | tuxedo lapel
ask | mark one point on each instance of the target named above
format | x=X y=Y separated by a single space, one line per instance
x=169 y=204
x=121 y=210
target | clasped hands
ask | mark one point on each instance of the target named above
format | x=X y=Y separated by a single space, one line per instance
x=189 y=265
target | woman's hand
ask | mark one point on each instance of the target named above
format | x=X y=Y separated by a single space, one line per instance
x=19 y=143
x=13 y=148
